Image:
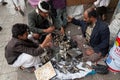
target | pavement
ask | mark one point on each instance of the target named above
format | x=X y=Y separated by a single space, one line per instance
x=8 y=17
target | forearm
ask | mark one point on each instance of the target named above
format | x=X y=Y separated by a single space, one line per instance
x=35 y=30
x=77 y=22
x=31 y=51
x=49 y=30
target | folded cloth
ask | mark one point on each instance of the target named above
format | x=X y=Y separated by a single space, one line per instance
x=91 y=73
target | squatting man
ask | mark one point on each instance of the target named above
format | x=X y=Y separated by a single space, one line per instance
x=20 y=51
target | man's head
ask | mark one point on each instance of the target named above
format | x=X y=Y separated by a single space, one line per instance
x=43 y=8
x=90 y=15
x=20 y=31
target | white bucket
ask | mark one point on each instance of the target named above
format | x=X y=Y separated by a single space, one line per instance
x=113 y=59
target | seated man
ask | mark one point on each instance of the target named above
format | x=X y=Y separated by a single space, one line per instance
x=21 y=52
x=96 y=32
x=40 y=22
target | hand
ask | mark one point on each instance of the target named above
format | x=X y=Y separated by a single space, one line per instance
x=69 y=19
x=62 y=31
x=49 y=30
x=36 y=36
x=48 y=38
x=89 y=51
x=47 y=41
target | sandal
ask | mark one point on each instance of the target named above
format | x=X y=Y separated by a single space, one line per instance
x=101 y=69
x=29 y=69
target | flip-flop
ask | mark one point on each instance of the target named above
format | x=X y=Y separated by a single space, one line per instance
x=29 y=69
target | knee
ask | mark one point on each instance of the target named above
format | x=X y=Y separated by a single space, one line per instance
x=28 y=57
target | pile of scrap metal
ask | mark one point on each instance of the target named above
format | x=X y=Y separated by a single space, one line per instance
x=67 y=56
x=67 y=47
x=68 y=53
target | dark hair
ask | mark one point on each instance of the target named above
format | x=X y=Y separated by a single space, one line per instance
x=19 y=29
x=92 y=13
x=45 y=5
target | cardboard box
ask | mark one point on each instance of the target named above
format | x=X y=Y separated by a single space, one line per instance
x=45 y=72
x=78 y=2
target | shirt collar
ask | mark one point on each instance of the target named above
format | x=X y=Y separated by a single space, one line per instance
x=37 y=11
x=93 y=25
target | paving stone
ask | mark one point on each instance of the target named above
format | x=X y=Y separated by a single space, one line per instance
x=9 y=76
x=6 y=68
x=25 y=75
x=2 y=55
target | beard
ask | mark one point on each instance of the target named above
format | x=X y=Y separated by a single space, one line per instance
x=89 y=23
